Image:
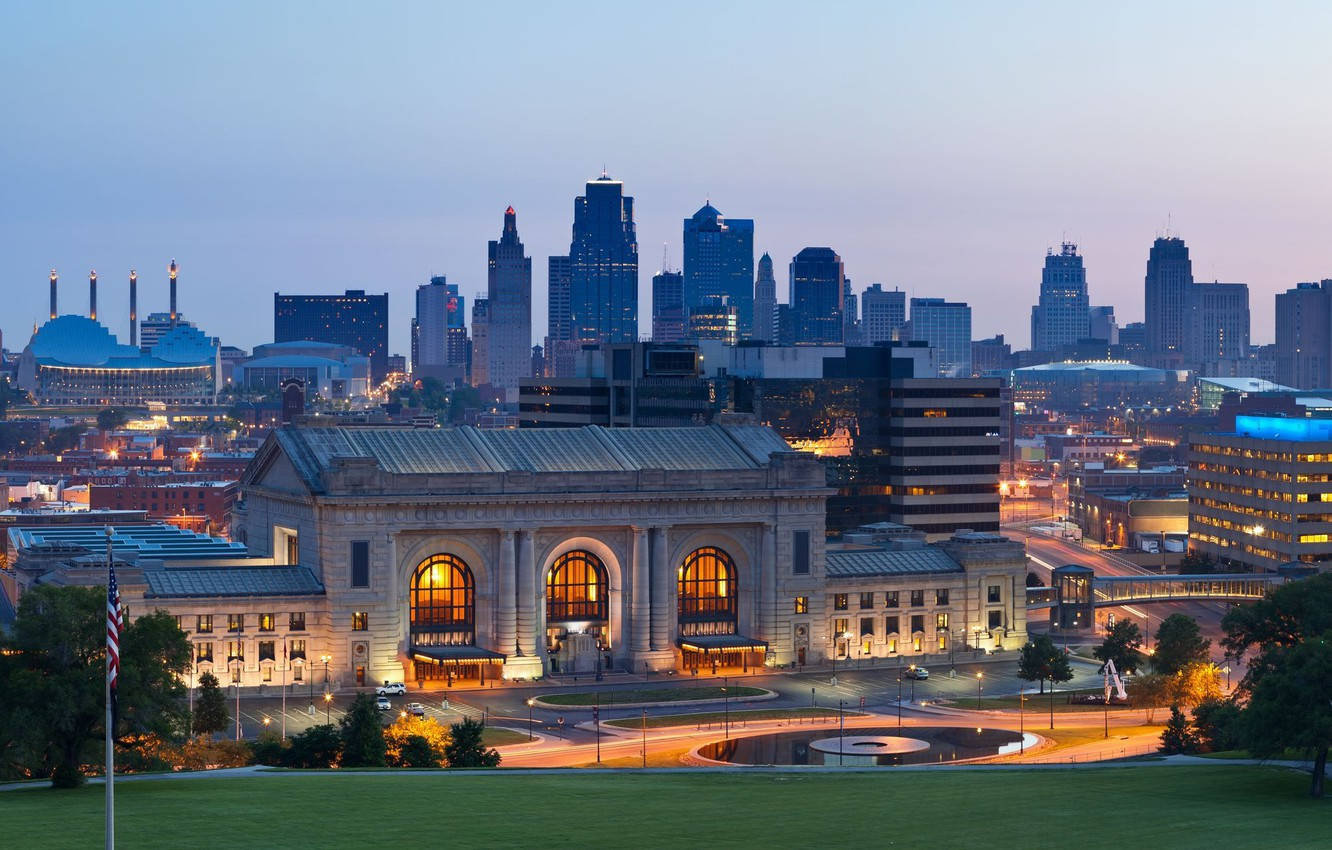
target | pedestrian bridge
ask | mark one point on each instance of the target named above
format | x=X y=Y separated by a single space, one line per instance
x=1076 y=590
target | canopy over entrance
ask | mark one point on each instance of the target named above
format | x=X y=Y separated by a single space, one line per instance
x=713 y=644
x=456 y=661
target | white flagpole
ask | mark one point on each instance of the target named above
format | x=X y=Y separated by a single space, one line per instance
x=285 y=664
x=110 y=749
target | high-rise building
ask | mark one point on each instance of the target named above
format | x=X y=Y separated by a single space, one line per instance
x=818 y=296
x=882 y=314
x=765 y=302
x=1304 y=336
x=1061 y=317
x=1218 y=325
x=714 y=318
x=509 y=292
x=603 y=259
x=668 y=307
x=353 y=318
x=1166 y=296
x=851 y=330
x=156 y=325
x=719 y=262
x=946 y=327
x=482 y=340
x=559 y=279
x=440 y=320
x=1101 y=324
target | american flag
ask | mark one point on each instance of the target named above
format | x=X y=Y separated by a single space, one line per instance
x=115 y=623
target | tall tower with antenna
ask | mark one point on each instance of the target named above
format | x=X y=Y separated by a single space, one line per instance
x=172 y=271
x=134 y=307
x=55 y=278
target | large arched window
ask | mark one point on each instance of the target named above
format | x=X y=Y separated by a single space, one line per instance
x=576 y=588
x=708 y=592
x=443 y=602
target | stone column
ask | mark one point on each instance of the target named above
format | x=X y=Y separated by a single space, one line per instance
x=527 y=595
x=663 y=592
x=506 y=601
x=641 y=612
x=768 y=578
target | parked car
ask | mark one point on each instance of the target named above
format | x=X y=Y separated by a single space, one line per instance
x=383 y=704
x=391 y=689
x=914 y=672
x=416 y=709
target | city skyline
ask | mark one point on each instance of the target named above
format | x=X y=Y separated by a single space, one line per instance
x=910 y=203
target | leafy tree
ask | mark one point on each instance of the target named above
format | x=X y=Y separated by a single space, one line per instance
x=362 y=734
x=1041 y=659
x=210 y=709
x=465 y=748
x=1290 y=613
x=460 y=400
x=111 y=418
x=1197 y=683
x=1197 y=563
x=417 y=751
x=406 y=727
x=269 y=749
x=1290 y=705
x=1179 y=642
x=1216 y=722
x=1177 y=737
x=1034 y=580
x=1121 y=646
x=64 y=439
x=154 y=654
x=1149 y=692
x=316 y=747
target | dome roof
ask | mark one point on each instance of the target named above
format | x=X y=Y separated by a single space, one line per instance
x=78 y=341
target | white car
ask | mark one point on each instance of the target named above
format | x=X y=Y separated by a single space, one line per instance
x=383 y=704
x=416 y=709
x=391 y=689
x=914 y=672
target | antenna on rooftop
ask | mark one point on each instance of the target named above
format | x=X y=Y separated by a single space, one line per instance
x=665 y=256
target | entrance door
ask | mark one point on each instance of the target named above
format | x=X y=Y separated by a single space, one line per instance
x=800 y=656
x=360 y=674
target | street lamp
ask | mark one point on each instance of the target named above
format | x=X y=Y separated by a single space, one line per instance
x=726 y=707
x=529 y=718
x=1226 y=670
x=979 y=688
x=328 y=708
x=1022 y=732
x=899 y=703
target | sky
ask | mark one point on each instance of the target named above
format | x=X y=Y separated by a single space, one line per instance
x=937 y=147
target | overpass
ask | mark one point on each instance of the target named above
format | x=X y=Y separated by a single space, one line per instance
x=1076 y=590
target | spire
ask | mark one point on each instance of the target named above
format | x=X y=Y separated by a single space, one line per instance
x=92 y=294
x=171 y=270
x=510 y=220
x=55 y=278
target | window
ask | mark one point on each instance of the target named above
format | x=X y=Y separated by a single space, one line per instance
x=298 y=649
x=235 y=650
x=708 y=593
x=203 y=651
x=839 y=602
x=235 y=622
x=996 y=619
x=267 y=622
x=943 y=641
x=297 y=672
x=443 y=602
x=890 y=599
x=268 y=672
x=917 y=598
x=941 y=596
x=802 y=605
x=866 y=627
x=892 y=644
x=840 y=628
x=917 y=623
x=941 y=622
x=916 y=643
x=890 y=625
x=576 y=588
x=866 y=601
x=203 y=624
x=360 y=563
x=180 y=622
x=360 y=621
x=800 y=553
x=994 y=593
x=235 y=674
x=293 y=547
x=266 y=650
x=296 y=621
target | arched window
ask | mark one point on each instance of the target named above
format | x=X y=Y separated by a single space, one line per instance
x=443 y=602
x=708 y=592
x=576 y=588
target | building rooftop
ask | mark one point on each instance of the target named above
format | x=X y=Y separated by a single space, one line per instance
x=128 y=542
x=1247 y=385
x=1085 y=366
x=1281 y=428
x=231 y=581
x=855 y=563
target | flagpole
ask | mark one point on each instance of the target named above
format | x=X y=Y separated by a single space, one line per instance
x=285 y=664
x=110 y=749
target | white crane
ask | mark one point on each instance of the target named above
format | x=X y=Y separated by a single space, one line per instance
x=1112 y=675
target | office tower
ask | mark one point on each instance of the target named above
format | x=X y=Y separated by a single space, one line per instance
x=991 y=355
x=818 y=296
x=482 y=341
x=55 y=279
x=603 y=259
x=1166 y=296
x=1218 y=325
x=509 y=291
x=134 y=308
x=714 y=318
x=946 y=327
x=668 y=307
x=154 y=326
x=1061 y=317
x=415 y=342
x=92 y=295
x=353 y=318
x=560 y=344
x=882 y=314
x=440 y=314
x=1304 y=336
x=851 y=330
x=765 y=302
x=1101 y=324
x=719 y=262
x=786 y=326
x=171 y=274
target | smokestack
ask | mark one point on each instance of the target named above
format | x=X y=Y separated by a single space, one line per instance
x=134 y=308
x=172 y=270
x=54 y=279
x=92 y=294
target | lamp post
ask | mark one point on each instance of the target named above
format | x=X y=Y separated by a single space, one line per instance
x=643 y=729
x=979 y=688
x=529 y=719
x=841 y=728
x=238 y=719
x=328 y=708
x=1051 y=701
x=1022 y=732
x=1107 y=711
x=899 y=703
x=726 y=707
x=1226 y=670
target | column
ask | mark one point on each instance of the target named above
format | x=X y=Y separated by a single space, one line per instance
x=505 y=604
x=641 y=612
x=768 y=578
x=663 y=592
x=527 y=595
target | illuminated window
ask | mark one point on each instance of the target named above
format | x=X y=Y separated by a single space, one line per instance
x=360 y=621
x=707 y=593
x=268 y=672
x=235 y=650
x=941 y=596
x=235 y=622
x=840 y=602
x=866 y=601
x=443 y=598
x=576 y=588
x=203 y=651
x=941 y=622
x=267 y=622
x=916 y=643
x=204 y=623
x=298 y=649
x=802 y=605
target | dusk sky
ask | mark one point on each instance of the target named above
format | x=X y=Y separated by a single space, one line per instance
x=937 y=147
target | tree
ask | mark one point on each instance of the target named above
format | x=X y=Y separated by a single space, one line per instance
x=1197 y=683
x=1040 y=660
x=1288 y=614
x=316 y=747
x=1216 y=722
x=154 y=655
x=269 y=749
x=362 y=734
x=465 y=748
x=1121 y=646
x=1149 y=692
x=210 y=709
x=1177 y=737
x=417 y=751
x=111 y=418
x=397 y=738
x=1290 y=705
x=64 y=439
x=1179 y=642
x=1196 y=563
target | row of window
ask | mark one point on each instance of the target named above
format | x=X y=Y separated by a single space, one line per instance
x=892 y=599
x=1255 y=530
x=203 y=623
x=892 y=627
x=203 y=650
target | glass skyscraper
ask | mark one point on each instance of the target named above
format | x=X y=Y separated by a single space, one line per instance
x=719 y=262
x=603 y=265
x=509 y=291
x=1061 y=318
x=818 y=296
x=353 y=318
x=945 y=326
x=1166 y=295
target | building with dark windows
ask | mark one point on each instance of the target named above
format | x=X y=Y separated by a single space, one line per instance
x=1101 y=324
x=509 y=293
x=353 y=318
x=325 y=370
x=439 y=331
x=1217 y=334
x=946 y=327
x=1304 y=336
x=765 y=302
x=1167 y=286
x=603 y=265
x=669 y=317
x=1061 y=317
x=719 y=263
x=883 y=315
x=818 y=296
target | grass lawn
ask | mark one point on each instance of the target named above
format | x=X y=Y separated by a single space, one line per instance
x=494 y=736
x=1133 y=806
x=1032 y=704
x=737 y=716
x=649 y=695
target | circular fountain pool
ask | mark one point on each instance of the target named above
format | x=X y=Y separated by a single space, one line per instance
x=867 y=746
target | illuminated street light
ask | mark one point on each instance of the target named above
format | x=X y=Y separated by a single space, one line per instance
x=328 y=708
x=979 y=688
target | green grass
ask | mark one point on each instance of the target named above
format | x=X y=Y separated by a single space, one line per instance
x=681 y=694
x=494 y=736
x=736 y=716
x=1032 y=704
x=1164 y=806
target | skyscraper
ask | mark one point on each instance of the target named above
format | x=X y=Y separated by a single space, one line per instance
x=1061 y=317
x=818 y=296
x=440 y=318
x=1101 y=324
x=561 y=347
x=946 y=327
x=353 y=318
x=481 y=343
x=668 y=307
x=882 y=314
x=509 y=293
x=850 y=317
x=1304 y=336
x=765 y=302
x=1218 y=326
x=603 y=258
x=719 y=262
x=1166 y=296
